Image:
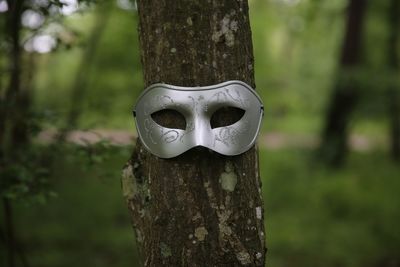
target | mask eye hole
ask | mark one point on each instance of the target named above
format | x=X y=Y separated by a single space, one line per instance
x=169 y=118
x=226 y=116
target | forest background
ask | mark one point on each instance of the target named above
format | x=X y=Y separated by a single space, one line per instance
x=70 y=74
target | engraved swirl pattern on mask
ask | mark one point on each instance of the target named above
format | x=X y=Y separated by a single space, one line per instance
x=166 y=133
x=229 y=135
x=170 y=136
x=155 y=132
x=225 y=118
x=149 y=127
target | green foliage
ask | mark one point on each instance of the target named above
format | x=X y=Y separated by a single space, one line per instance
x=113 y=79
x=315 y=216
x=296 y=46
x=25 y=175
x=319 y=217
x=295 y=59
x=88 y=223
x=26 y=171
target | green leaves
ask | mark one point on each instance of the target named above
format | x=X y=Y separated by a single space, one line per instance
x=25 y=175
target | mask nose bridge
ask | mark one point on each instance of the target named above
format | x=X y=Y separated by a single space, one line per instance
x=202 y=128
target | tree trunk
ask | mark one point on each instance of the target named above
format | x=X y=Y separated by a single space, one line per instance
x=14 y=120
x=393 y=64
x=345 y=95
x=200 y=208
x=10 y=115
x=9 y=233
x=11 y=123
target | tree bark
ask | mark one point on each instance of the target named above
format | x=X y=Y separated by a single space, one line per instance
x=345 y=94
x=200 y=208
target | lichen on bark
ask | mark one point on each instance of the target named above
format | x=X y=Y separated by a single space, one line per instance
x=228 y=178
x=226 y=30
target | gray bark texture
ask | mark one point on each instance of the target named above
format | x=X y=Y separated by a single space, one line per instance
x=200 y=208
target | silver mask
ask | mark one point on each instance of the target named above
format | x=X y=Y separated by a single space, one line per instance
x=197 y=105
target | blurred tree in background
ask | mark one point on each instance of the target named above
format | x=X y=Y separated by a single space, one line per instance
x=355 y=81
x=74 y=65
x=346 y=90
x=393 y=44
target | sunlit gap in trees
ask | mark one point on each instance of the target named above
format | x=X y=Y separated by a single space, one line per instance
x=286 y=2
x=3 y=6
x=127 y=4
x=44 y=41
x=43 y=37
